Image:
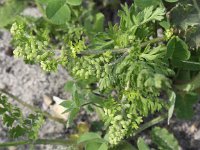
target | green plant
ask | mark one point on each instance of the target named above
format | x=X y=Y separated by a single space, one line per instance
x=134 y=72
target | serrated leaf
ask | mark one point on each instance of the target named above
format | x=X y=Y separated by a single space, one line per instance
x=146 y=3
x=74 y=2
x=142 y=145
x=163 y=139
x=184 y=105
x=177 y=49
x=148 y=15
x=58 y=11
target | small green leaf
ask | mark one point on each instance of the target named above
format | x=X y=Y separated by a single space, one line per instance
x=87 y=137
x=147 y=3
x=2 y=110
x=58 y=11
x=171 y=1
x=99 y=22
x=8 y=120
x=74 y=2
x=184 y=105
x=69 y=86
x=165 y=25
x=17 y=131
x=75 y=96
x=66 y=103
x=177 y=49
x=142 y=145
x=74 y=112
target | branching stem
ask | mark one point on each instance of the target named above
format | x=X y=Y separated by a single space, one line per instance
x=118 y=51
x=33 y=108
x=149 y=124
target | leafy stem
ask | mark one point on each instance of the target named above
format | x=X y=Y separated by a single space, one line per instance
x=120 y=50
x=149 y=124
x=33 y=108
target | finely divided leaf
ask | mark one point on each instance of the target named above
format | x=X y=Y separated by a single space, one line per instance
x=142 y=4
x=149 y=14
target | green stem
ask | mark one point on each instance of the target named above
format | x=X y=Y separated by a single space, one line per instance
x=197 y=7
x=39 y=141
x=149 y=124
x=120 y=50
x=40 y=7
x=190 y=86
x=33 y=108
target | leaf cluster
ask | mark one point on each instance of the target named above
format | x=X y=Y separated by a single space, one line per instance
x=17 y=124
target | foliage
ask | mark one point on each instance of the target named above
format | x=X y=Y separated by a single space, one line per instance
x=17 y=124
x=184 y=103
x=161 y=137
x=164 y=139
x=9 y=11
x=125 y=71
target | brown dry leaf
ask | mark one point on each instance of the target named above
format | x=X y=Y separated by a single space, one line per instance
x=47 y=100
x=57 y=109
